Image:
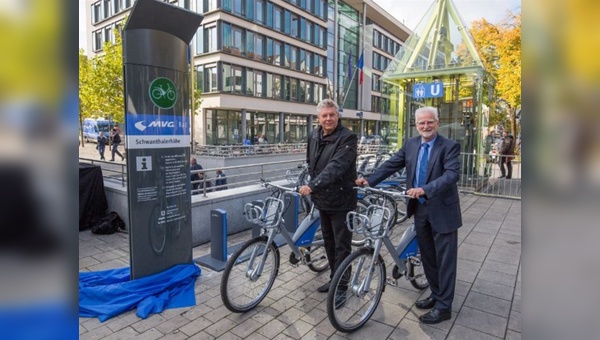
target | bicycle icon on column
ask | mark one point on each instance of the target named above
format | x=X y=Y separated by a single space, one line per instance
x=159 y=92
x=163 y=93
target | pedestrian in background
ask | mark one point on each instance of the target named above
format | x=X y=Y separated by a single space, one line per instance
x=221 y=181
x=507 y=152
x=487 y=150
x=432 y=173
x=194 y=175
x=331 y=157
x=101 y=144
x=116 y=140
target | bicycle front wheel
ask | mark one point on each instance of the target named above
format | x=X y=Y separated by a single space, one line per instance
x=317 y=258
x=352 y=300
x=243 y=284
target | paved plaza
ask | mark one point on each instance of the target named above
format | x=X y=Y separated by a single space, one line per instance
x=487 y=304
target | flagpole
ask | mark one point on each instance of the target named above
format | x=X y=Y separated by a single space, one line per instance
x=349 y=85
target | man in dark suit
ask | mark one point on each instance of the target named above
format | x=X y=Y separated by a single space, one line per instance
x=432 y=169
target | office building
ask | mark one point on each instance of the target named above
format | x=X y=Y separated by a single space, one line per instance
x=263 y=65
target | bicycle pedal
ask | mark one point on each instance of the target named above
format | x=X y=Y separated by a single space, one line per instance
x=391 y=282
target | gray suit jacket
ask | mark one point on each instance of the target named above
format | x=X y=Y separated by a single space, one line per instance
x=441 y=191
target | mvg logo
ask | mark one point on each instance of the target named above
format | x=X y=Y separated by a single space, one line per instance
x=155 y=123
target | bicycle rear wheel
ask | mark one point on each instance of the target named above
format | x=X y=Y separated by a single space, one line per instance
x=316 y=257
x=242 y=288
x=350 y=304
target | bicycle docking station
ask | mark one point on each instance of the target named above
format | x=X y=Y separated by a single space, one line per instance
x=219 y=251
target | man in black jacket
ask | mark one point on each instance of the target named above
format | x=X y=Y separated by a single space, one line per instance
x=331 y=157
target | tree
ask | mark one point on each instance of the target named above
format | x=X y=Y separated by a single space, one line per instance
x=499 y=45
x=101 y=82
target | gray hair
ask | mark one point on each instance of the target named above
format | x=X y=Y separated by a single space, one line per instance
x=327 y=103
x=427 y=109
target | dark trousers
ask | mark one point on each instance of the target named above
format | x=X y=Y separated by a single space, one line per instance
x=101 y=151
x=508 y=171
x=115 y=149
x=439 y=254
x=337 y=238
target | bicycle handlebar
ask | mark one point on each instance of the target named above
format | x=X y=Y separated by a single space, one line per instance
x=386 y=192
x=266 y=183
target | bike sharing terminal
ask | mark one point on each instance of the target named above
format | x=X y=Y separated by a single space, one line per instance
x=157 y=130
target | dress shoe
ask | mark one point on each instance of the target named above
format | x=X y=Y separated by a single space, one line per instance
x=427 y=303
x=508 y=177
x=435 y=316
x=502 y=176
x=122 y=158
x=340 y=299
x=324 y=288
x=112 y=160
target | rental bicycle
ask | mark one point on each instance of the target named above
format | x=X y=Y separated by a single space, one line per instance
x=251 y=270
x=359 y=282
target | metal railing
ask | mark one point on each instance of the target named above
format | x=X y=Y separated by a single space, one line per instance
x=480 y=174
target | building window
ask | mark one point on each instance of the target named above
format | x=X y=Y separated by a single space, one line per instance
x=294 y=89
x=287 y=56
x=270 y=52
x=249 y=9
x=287 y=21
x=259 y=46
x=210 y=79
x=226 y=4
x=97 y=42
x=106 y=9
x=227 y=78
x=295 y=26
x=249 y=82
x=238 y=7
x=227 y=41
x=250 y=44
x=269 y=85
x=286 y=88
x=116 y=6
x=277 y=87
x=277 y=18
x=238 y=41
x=302 y=61
x=277 y=57
x=96 y=13
x=270 y=14
x=210 y=39
x=258 y=84
x=260 y=9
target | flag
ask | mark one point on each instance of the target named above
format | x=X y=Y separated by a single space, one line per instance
x=350 y=64
x=359 y=65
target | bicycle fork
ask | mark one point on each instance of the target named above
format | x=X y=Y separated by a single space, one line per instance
x=253 y=273
x=363 y=288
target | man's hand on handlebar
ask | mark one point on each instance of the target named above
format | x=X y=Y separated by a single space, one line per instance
x=305 y=190
x=361 y=182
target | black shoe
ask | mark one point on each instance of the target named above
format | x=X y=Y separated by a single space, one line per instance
x=502 y=176
x=340 y=299
x=112 y=160
x=122 y=158
x=435 y=316
x=427 y=303
x=508 y=177
x=324 y=288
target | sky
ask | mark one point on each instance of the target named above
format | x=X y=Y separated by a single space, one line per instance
x=409 y=12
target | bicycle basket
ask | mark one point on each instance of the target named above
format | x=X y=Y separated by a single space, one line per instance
x=253 y=213
x=374 y=224
x=271 y=212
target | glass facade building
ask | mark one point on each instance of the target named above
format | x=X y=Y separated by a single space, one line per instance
x=263 y=65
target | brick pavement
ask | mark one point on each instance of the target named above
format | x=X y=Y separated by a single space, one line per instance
x=487 y=303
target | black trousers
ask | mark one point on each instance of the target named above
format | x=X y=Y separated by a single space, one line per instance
x=508 y=161
x=439 y=254
x=337 y=238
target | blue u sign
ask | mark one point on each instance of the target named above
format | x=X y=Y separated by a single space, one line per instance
x=428 y=90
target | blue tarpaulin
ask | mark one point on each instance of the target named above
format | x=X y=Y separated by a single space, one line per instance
x=107 y=293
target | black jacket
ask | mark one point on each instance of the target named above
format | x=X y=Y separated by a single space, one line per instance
x=332 y=167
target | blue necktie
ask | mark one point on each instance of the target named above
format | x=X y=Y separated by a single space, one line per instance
x=423 y=169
